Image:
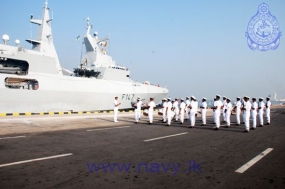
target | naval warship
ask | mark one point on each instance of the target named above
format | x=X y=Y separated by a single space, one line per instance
x=33 y=80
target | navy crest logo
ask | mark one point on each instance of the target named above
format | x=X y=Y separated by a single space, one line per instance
x=263 y=31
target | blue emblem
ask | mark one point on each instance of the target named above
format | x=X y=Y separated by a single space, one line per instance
x=263 y=32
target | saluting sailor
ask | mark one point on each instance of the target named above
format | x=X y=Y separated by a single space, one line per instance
x=203 y=107
x=260 y=111
x=268 y=105
x=238 y=110
x=193 y=110
x=187 y=107
x=224 y=108
x=116 y=104
x=169 y=111
x=228 y=112
x=164 y=106
x=151 y=106
x=176 y=109
x=182 y=110
x=246 y=113
x=138 y=106
x=254 y=108
x=217 y=111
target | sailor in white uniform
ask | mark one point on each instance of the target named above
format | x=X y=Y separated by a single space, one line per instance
x=164 y=106
x=203 y=107
x=254 y=108
x=187 y=110
x=246 y=113
x=224 y=108
x=228 y=112
x=182 y=110
x=217 y=111
x=176 y=109
x=260 y=111
x=238 y=110
x=268 y=105
x=193 y=110
x=214 y=122
x=137 y=107
x=169 y=111
x=116 y=104
x=151 y=106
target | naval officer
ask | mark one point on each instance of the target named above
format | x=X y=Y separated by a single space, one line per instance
x=217 y=111
x=176 y=109
x=193 y=110
x=138 y=106
x=187 y=110
x=182 y=110
x=254 y=108
x=260 y=111
x=238 y=110
x=203 y=107
x=164 y=106
x=151 y=106
x=268 y=105
x=169 y=111
x=116 y=104
x=228 y=112
x=224 y=108
x=246 y=113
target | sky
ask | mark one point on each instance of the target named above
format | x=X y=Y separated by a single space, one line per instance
x=192 y=47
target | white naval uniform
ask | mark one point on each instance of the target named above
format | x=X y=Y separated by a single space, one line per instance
x=164 y=111
x=138 y=111
x=268 y=104
x=176 y=110
x=151 y=105
x=203 y=111
x=261 y=112
x=116 y=110
x=229 y=107
x=246 y=114
x=182 y=111
x=169 y=112
x=254 y=113
x=217 y=112
x=193 y=111
x=187 y=109
x=238 y=109
x=224 y=108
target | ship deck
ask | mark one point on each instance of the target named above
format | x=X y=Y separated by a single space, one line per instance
x=58 y=152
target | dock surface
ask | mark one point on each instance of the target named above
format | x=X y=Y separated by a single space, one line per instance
x=91 y=151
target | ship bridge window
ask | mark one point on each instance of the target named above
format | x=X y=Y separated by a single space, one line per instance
x=13 y=66
x=21 y=83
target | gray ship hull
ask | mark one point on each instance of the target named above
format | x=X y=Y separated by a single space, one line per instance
x=66 y=93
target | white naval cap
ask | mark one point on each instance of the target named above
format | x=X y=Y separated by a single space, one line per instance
x=246 y=97
x=238 y=97
x=187 y=97
x=218 y=95
x=164 y=99
x=229 y=99
x=253 y=98
x=204 y=98
x=268 y=97
x=182 y=99
x=168 y=98
x=224 y=97
x=193 y=97
x=260 y=98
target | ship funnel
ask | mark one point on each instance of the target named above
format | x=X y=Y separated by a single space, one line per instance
x=5 y=38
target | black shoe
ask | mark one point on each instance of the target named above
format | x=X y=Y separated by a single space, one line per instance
x=267 y=123
x=181 y=123
x=149 y=123
x=136 y=122
x=227 y=126
x=191 y=127
x=260 y=125
x=216 y=128
x=246 y=131
x=237 y=124
x=167 y=125
x=252 y=128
